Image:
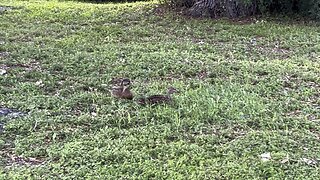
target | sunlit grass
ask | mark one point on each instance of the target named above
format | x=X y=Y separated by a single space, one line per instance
x=244 y=90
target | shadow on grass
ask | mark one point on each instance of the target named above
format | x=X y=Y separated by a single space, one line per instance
x=107 y=1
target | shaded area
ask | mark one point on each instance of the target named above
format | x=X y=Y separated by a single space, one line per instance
x=1 y=127
x=245 y=90
x=244 y=8
x=8 y=8
x=11 y=113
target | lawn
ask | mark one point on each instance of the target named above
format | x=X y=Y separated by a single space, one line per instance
x=248 y=105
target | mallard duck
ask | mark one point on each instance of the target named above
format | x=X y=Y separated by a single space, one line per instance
x=154 y=99
x=122 y=90
x=157 y=99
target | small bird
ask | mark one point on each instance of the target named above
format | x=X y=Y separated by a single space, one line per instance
x=157 y=99
x=122 y=90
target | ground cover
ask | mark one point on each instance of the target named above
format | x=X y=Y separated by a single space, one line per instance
x=246 y=90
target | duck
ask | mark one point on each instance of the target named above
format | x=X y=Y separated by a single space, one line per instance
x=157 y=99
x=122 y=90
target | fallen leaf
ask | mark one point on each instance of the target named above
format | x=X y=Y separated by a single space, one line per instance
x=3 y=72
x=39 y=83
x=285 y=160
x=309 y=161
x=266 y=156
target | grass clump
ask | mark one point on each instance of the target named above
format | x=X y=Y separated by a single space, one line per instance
x=245 y=90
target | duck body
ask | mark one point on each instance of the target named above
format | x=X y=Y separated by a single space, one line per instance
x=122 y=93
x=158 y=99
x=122 y=90
x=154 y=100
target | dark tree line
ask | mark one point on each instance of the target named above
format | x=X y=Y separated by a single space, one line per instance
x=240 y=8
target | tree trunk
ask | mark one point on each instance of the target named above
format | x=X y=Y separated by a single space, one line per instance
x=203 y=8
x=223 y=8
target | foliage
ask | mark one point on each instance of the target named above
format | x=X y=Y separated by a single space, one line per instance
x=310 y=8
x=246 y=89
x=178 y=3
x=108 y=1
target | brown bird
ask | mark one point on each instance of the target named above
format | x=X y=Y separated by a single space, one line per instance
x=157 y=99
x=122 y=90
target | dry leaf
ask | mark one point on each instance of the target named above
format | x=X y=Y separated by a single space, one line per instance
x=285 y=160
x=39 y=83
x=3 y=72
x=266 y=156
x=309 y=161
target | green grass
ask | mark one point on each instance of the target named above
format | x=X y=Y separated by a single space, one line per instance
x=238 y=99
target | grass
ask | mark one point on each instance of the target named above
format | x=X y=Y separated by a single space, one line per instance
x=245 y=89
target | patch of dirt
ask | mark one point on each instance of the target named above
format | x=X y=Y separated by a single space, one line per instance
x=203 y=75
x=1 y=127
x=244 y=20
x=278 y=50
x=9 y=158
x=313 y=56
x=296 y=85
x=228 y=136
x=294 y=113
x=14 y=159
x=161 y=10
x=316 y=133
x=33 y=65
x=199 y=75
x=302 y=115
x=274 y=49
x=293 y=81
